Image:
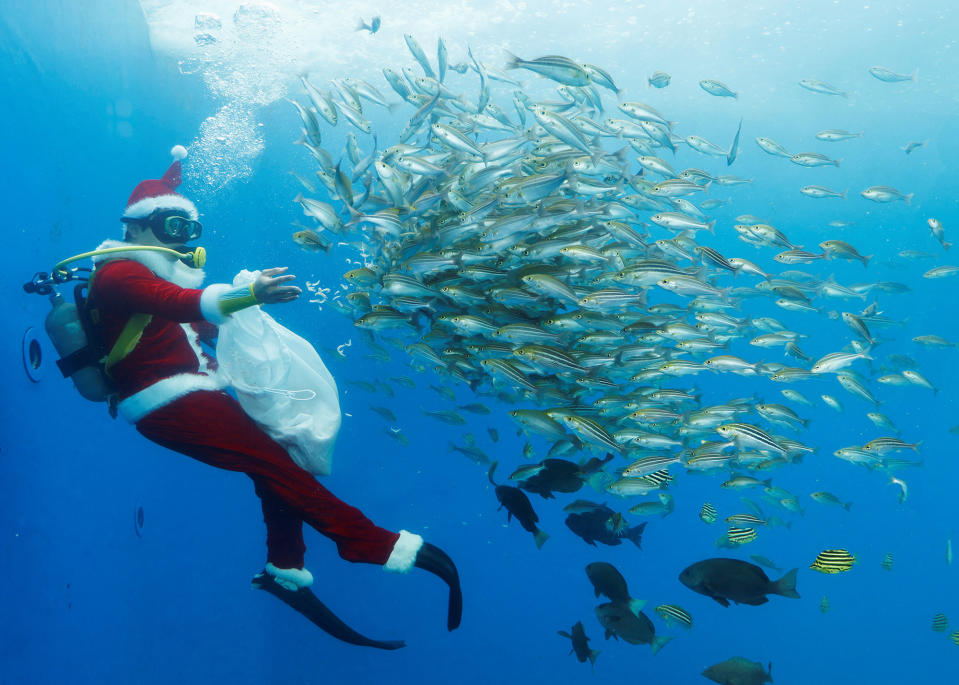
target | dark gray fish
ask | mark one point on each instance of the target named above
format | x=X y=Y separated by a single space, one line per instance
x=621 y=622
x=608 y=581
x=518 y=505
x=558 y=475
x=739 y=671
x=593 y=526
x=138 y=522
x=580 y=643
x=739 y=581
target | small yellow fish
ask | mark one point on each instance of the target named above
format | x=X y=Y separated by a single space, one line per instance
x=833 y=561
x=310 y=240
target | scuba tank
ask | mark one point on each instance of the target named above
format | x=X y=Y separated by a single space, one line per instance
x=69 y=330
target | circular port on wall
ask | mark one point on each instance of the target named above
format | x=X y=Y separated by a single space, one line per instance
x=33 y=362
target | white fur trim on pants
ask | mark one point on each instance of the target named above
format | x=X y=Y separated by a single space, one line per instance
x=161 y=393
x=404 y=552
x=290 y=578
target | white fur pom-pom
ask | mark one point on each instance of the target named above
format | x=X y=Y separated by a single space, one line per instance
x=178 y=152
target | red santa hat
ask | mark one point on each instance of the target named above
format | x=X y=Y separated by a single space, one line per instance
x=160 y=194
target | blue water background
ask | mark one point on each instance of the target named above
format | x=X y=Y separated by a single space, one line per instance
x=92 y=106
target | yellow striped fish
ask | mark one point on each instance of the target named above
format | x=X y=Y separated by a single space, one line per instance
x=708 y=513
x=674 y=615
x=940 y=623
x=955 y=637
x=833 y=561
x=747 y=519
x=740 y=536
x=886 y=562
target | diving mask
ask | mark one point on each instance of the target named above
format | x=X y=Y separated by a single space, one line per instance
x=169 y=227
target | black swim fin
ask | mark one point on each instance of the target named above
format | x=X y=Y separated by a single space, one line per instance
x=306 y=603
x=431 y=558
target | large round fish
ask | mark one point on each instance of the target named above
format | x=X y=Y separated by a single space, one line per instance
x=731 y=579
x=608 y=581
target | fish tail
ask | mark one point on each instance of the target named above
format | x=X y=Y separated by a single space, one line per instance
x=843 y=194
x=635 y=535
x=915 y=75
x=492 y=469
x=540 y=537
x=360 y=25
x=786 y=586
x=908 y=198
x=847 y=505
x=659 y=642
x=635 y=605
x=593 y=653
x=946 y=246
x=512 y=61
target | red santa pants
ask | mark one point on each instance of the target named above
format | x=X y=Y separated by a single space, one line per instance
x=212 y=427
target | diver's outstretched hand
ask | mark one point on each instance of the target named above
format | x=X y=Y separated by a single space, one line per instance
x=268 y=287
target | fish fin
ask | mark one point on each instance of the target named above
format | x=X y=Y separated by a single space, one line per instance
x=913 y=77
x=593 y=653
x=722 y=600
x=540 y=537
x=492 y=469
x=563 y=633
x=659 y=642
x=512 y=61
x=786 y=586
x=635 y=535
x=637 y=605
x=847 y=505
x=908 y=198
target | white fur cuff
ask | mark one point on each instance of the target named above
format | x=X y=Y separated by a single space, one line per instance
x=404 y=552
x=290 y=578
x=210 y=303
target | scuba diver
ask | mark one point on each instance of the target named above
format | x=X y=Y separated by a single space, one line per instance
x=152 y=317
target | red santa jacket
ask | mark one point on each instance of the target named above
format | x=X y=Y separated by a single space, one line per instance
x=168 y=361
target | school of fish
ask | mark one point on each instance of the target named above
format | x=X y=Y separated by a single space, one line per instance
x=537 y=245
